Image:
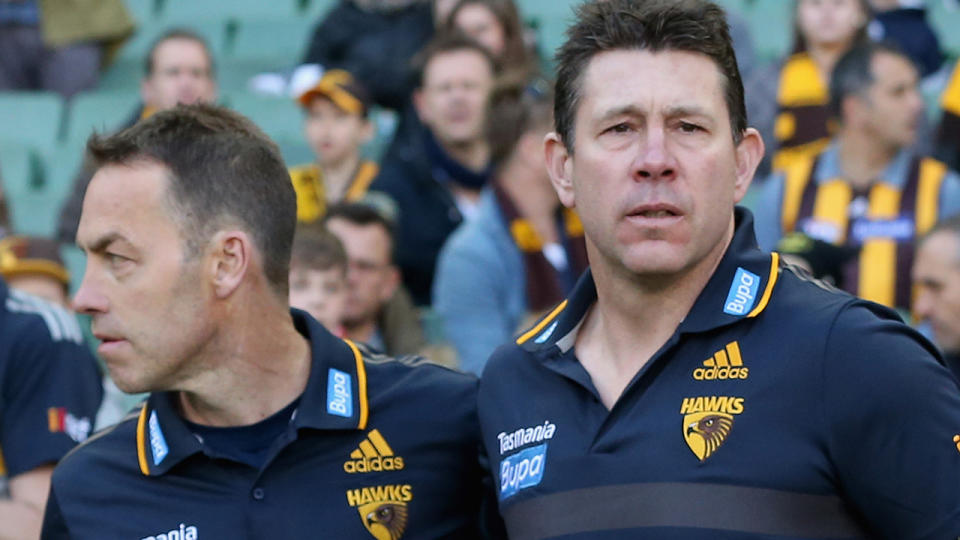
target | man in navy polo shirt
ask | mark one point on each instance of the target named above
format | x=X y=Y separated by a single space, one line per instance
x=49 y=395
x=692 y=386
x=261 y=424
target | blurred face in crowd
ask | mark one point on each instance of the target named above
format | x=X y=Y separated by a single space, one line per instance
x=321 y=293
x=334 y=134
x=891 y=107
x=829 y=22
x=654 y=173
x=40 y=285
x=150 y=306
x=452 y=102
x=478 y=22
x=181 y=74
x=936 y=274
x=371 y=276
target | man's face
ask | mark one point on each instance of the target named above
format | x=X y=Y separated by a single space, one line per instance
x=150 y=307
x=181 y=74
x=452 y=102
x=321 y=293
x=829 y=22
x=936 y=274
x=371 y=276
x=893 y=104
x=334 y=134
x=480 y=23
x=655 y=173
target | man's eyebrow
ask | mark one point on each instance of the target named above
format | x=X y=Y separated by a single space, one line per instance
x=686 y=110
x=100 y=244
x=624 y=110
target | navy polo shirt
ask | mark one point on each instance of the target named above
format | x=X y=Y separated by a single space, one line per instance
x=375 y=449
x=780 y=408
x=50 y=387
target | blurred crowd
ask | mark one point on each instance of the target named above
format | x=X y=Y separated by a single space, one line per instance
x=413 y=131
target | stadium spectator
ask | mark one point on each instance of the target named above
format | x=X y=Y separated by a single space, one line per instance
x=523 y=252
x=336 y=125
x=178 y=69
x=660 y=379
x=318 y=276
x=936 y=275
x=496 y=25
x=905 y=23
x=376 y=41
x=436 y=179
x=59 y=46
x=867 y=189
x=787 y=101
x=34 y=265
x=261 y=424
x=378 y=311
x=49 y=394
x=947 y=146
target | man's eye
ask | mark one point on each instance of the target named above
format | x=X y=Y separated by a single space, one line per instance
x=687 y=127
x=619 y=128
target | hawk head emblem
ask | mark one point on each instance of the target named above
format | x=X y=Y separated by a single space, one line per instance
x=384 y=520
x=706 y=431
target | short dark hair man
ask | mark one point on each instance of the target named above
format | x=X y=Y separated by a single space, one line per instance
x=691 y=386
x=867 y=191
x=436 y=177
x=261 y=423
x=936 y=277
x=178 y=69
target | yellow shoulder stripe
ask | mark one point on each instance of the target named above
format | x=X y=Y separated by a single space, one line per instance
x=771 y=281
x=142 y=441
x=543 y=322
x=361 y=385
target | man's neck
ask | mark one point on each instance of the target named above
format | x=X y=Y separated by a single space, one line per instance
x=337 y=176
x=360 y=331
x=862 y=158
x=250 y=372
x=633 y=317
x=474 y=155
x=533 y=197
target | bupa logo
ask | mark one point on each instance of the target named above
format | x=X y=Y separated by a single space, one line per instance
x=743 y=293
x=158 y=444
x=184 y=532
x=522 y=470
x=339 y=393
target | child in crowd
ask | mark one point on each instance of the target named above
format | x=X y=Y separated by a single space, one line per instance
x=337 y=124
x=318 y=276
x=33 y=265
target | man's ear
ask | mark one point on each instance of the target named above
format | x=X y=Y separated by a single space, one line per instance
x=391 y=283
x=232 y=255
x=560 y=168
x=748 y=154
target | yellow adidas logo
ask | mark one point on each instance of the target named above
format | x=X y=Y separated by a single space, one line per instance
x=373 y=454
x=724 y=364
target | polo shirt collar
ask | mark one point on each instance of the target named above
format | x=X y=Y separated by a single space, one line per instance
x=335 y=398
x=739 y=288
x=896 y=173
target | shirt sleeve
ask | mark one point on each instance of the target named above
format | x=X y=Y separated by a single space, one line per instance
x=51 y=392
x=54 y=525
x=892 y=412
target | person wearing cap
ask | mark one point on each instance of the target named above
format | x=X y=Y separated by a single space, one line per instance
x=33 y=265
x=336 y=126
x=50 y=385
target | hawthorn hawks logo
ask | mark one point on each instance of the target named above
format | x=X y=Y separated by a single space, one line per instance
x=708 y=421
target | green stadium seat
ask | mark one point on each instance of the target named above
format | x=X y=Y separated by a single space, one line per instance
x=31 y=117
x=281 y=40
x=217 y=33
x=143 y=11
x=295 y=151
x=100 y=111
x=547 y=8
x=60 y=168
x=278 y=117
x=945 y=19
x=191 y=10
x=771 y=23
x=741 y=7
x=34 y=213
x=123 y=74
x=21 y=169
x=314 y=10
x=234 y=74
